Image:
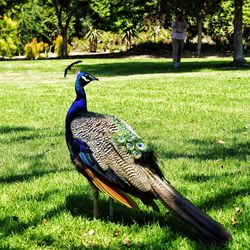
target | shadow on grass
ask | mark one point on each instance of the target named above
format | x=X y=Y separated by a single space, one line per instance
x=224 y=198
x=14 y=225
x=208 y=150
x=33 y=173
x=14 y=129
x=38 y=164
x=211 y=177
x=136 y=67
x=213 y=150
x=16 y=133
x=82 y=205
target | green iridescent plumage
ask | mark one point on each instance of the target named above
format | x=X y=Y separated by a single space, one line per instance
x=126 y=137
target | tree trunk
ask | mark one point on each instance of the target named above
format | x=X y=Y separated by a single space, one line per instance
x=238 y=47
x=65 y=43
x=199 y=42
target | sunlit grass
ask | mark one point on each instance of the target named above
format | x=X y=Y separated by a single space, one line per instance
x=196 y=118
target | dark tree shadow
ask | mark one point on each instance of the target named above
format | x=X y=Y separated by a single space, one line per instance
x=33 y=173
x=212 y=150
x=224 y=198
x=11 y=129
x=199 y=178
x=38 y=164
x=81 y=205
x=136 y=67
x=30 y=133
x=208 y=150
x=13 y=224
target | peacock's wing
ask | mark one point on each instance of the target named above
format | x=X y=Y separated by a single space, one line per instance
x=115 y=151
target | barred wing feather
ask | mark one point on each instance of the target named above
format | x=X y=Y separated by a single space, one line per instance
x=103 y=135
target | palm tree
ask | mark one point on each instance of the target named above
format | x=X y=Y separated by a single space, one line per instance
x=129 y=35
x=93 y=36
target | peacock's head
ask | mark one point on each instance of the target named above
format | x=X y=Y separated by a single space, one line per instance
x=84 y=78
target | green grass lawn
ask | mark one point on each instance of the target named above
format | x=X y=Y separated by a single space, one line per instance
x=197 y=118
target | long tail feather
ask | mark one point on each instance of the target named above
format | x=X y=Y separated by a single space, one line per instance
x=209 y=229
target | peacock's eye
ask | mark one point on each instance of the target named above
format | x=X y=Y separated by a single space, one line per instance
x=130 y=146
x=137 y=154
x=141 y=146
x=121 y=139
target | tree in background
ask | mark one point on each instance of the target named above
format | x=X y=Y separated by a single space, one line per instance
x=220 y=25
x=238 y=58
x=200 y=11
x=217 y=16
x=35 y=20
x=126 y=18
x=8 y=7
x=65 y=11
x=45 y=19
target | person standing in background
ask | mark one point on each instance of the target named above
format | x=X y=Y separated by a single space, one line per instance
x=178 y=37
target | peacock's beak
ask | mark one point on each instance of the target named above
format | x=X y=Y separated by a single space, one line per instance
x=94 y=78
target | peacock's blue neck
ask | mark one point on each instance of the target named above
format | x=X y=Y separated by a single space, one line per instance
x=80 y=93
x=78 y=106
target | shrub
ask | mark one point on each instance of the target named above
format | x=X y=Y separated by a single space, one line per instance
x=32 y=50
x=46 y=49
x=58 y=45
x=80 y=45
x=8 y=38
x=111 y=42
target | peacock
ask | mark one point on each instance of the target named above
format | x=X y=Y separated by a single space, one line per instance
x=115 y=160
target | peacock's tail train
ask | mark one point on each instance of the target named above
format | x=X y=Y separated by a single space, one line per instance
x=209 y=229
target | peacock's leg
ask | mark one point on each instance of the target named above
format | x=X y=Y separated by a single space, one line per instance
x=95 y=193
x=111 y=208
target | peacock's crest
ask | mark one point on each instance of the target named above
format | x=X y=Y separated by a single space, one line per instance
x=127 y=137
